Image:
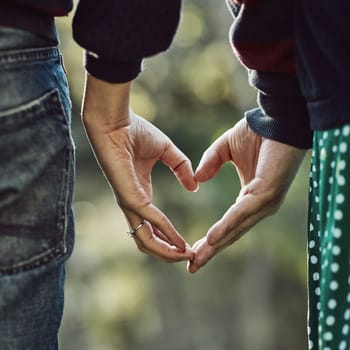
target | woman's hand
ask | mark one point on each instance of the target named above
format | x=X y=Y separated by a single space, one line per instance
x=127 y=147
x=266 y=169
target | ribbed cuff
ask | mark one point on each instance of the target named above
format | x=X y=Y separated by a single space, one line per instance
x=294 y=132
x=112 y=71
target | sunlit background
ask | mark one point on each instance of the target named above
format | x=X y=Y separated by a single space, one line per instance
x=253 y=295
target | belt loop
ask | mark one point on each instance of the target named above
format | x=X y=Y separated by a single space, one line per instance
x=62 y=63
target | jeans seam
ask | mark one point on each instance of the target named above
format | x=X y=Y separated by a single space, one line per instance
x=34 y=262
x=66 y=181
x=26 y=55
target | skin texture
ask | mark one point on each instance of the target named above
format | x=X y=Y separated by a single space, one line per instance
x=127 y=147
x=266 y=169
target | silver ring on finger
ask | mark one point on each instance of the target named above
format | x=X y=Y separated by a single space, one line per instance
x=132 y=232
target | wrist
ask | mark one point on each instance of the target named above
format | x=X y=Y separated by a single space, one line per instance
x=106 y=105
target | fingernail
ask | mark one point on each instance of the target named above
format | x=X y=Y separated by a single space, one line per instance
x=192 y=269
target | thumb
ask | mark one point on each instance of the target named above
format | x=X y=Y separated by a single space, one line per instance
x=213 y=159
x=180 y=165
x=255 y=202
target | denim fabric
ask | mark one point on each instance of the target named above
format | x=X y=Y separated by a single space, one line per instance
x=36 y=185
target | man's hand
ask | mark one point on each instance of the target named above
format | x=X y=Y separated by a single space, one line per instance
x=266 y=168
x=127 y=147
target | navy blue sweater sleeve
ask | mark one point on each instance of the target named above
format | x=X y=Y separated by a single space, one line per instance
x=118 y=34
x=263 y=40
x=282 y=114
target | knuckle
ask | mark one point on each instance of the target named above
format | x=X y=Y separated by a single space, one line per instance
x=200 y=260
x=180 y=163
x=141 y=204
x=135 y=200
x=225 y=226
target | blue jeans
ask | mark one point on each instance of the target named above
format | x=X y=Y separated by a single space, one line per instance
x=36 y=185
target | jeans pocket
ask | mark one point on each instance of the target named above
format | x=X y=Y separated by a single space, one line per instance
x=36 y=183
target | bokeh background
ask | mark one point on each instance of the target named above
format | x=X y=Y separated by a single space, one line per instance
x=253 y=295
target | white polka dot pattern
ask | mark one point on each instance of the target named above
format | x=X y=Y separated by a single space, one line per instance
x=329 y=241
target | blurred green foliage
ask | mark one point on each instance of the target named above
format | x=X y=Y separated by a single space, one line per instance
x=253 y=295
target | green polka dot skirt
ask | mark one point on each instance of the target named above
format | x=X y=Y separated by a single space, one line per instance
x=329 y=241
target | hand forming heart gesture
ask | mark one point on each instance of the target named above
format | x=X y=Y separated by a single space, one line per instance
x=266 y=168
x=127 y=147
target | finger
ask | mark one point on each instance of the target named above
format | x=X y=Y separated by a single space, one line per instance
x=160 y=250
x=191 y=267
x=146 y=210
x=239 y=219
x=180 y=165
x=163 y=238
x=159 y=234
x=213 y=159
x=152 y=244
x=158 y=219
x=198 y=243
x=203 y=253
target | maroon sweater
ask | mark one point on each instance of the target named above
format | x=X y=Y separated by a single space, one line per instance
x=263 y=40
